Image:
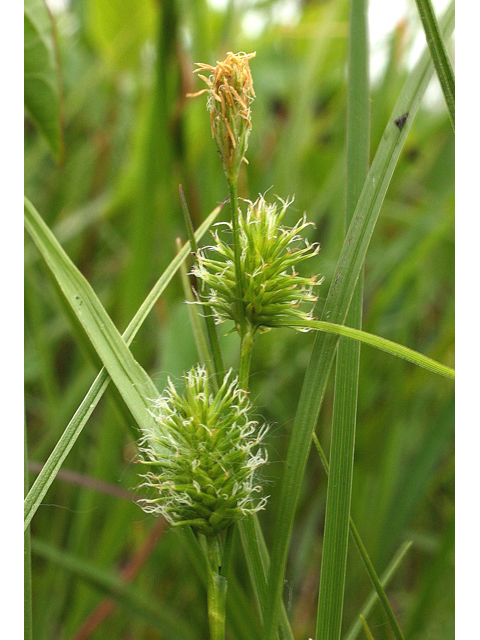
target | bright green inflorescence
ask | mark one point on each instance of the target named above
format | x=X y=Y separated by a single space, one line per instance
x=203 y=457
x=272 y=290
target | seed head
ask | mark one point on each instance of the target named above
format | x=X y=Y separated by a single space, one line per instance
x=230 y=92
x=203 y=455
x=272 y=289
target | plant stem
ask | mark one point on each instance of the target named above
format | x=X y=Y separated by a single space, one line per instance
x=245 y=358
x=216 y=589
x=232 y=188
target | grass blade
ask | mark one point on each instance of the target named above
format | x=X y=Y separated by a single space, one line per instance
x=129 y=377
x=158 y=615
x=440 y=58
x=393 y=348
x=340 y=479
x=78 y=421
x=336 y=307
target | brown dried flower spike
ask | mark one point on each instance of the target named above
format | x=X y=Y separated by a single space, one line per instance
x=230 y=90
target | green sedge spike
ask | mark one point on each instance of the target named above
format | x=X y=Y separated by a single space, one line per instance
x=203 y=455
x=272 y=289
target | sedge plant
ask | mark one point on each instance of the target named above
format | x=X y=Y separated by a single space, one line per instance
x=201 y=448
x=202 y=452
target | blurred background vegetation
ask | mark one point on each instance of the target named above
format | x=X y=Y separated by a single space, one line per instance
x=131 y=137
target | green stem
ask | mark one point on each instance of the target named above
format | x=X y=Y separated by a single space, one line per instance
x=232 y=189
x=251 y=533
x=377 y=585
x=258 y=563
x=216 y=589
x=246 y=358
x=387 y=575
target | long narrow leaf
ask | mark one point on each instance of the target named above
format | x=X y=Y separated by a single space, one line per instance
x=131 y=380
x=393 y=348
x=78 y=421
x=340 y=479
x=336 y=307
x=440 y=58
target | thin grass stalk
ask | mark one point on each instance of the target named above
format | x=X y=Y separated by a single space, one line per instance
x=101 y=382
x=240 y=618
x=256 y=553
x=336 y=307
x=233 y=191
x=340 y=479
x=439 y=54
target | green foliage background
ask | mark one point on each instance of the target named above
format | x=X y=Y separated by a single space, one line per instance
x=130 y=138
